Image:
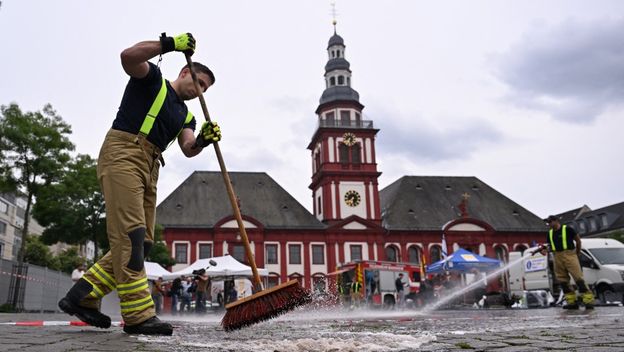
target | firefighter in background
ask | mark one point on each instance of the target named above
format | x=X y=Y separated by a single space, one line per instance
x=565 y=244
x=356 y=294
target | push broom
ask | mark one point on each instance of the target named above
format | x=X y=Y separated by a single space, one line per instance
x=262 y=304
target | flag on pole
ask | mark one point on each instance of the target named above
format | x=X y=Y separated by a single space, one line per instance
x=444 y=249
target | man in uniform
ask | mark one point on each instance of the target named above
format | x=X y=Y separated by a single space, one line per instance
x=152 y=115
x=565 y=244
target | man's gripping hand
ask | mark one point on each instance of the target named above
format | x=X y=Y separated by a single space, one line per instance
x=209 y=133
x=183 y=42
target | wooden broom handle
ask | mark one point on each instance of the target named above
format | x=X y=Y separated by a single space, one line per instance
x=228 y=183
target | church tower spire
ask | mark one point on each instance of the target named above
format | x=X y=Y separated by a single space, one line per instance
x=344 y=168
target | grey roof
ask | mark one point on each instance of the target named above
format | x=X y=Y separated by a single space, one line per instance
x=573 y=214
x=337 y=64
x=339 y=93
x=202 y=200
x=429 y=202
x=614 y=216
x=335 y=40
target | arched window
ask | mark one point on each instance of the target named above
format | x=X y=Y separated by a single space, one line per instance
x=435 y=253
x=295 y=276
x=340 y=80
x=273 y=280
x=392 y=254
x=332 y=81
x=501 y=253
x=521 y=248
x=413 y=254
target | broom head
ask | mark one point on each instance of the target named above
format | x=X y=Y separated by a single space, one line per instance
x=264 y=305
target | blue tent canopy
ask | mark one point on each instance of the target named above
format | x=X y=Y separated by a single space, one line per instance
x=463 y=261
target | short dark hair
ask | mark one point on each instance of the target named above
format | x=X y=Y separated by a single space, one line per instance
x=551 y=218
x=201 y=68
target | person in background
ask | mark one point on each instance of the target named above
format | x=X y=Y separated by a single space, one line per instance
x=185 y=294
x=174 y=293
x=78 y=272
x=157 y=294
x=400 y=289
x=356 y=294
x=200 y=293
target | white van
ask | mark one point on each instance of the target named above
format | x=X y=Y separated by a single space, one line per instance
x=602 y=260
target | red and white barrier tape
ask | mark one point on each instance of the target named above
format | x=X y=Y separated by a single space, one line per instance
x=54 y=323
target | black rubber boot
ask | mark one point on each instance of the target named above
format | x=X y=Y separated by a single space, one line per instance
x=70 y=304
x=573 y=306
x=90 y=316
x=152 y=326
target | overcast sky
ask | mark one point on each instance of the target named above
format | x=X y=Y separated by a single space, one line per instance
x=525 y=95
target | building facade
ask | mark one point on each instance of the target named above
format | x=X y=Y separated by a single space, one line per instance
x=603 y=222
x=351 y=219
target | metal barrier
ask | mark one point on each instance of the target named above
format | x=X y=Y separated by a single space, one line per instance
x=42 y=287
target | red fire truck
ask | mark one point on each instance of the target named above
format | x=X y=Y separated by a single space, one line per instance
x=378 y=281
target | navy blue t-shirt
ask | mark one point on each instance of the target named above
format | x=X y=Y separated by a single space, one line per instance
x=136 y=102
x=558 y=237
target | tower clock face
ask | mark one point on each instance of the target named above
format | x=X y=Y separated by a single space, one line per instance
x=349 y=139
x=352 y=198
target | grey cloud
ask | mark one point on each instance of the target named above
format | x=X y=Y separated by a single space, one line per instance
x=573 y=71
x=422 y=141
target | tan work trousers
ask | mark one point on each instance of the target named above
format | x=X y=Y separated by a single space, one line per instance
x=128 y=172
x=566 y=265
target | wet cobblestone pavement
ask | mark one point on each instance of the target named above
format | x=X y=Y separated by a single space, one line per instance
x=336 y=330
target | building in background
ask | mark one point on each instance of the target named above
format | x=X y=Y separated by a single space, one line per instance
x=603 y=222
x=352 y=219
x=12 y=218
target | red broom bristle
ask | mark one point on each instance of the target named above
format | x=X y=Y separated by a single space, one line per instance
x=265 y=307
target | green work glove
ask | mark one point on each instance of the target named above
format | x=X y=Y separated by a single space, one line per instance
x=183 y=42
x=209 y=133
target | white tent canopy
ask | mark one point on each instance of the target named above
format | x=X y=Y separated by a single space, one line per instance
x=226 y=266
x=154 y=271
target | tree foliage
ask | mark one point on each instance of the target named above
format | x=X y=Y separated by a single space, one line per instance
x=37 y=253
x=34 y=147
x=72 y=209
x=69 y=259
x=160 y=253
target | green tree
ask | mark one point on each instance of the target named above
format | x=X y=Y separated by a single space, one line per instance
x=69 y=259
x=72 y=209
x=36 y=252
x=160 y=253
x=34 y=147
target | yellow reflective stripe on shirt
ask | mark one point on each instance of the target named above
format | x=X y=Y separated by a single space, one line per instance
x=148 y=123
x=139 y=304
x=189 y=117
x=132 y=287
x=564 y=238
x=103 y=276
x=96 y=292
x=552 y=241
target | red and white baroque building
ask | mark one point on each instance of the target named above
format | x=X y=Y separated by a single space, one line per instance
x=352 y=219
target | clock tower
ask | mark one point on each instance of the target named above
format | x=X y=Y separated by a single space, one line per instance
x=344 y=168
